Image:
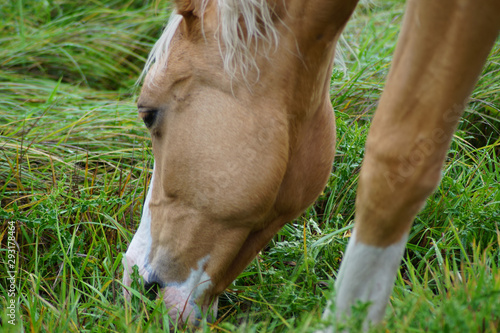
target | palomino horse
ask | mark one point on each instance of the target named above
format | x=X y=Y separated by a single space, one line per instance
x=236 y=98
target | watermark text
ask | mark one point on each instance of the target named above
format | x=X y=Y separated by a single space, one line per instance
x=11 y=272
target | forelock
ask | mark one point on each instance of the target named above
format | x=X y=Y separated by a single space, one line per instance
x=239 y=45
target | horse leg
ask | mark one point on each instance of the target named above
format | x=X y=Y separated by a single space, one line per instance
x=441 y=50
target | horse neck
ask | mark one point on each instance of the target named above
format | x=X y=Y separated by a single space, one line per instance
x=302 y=65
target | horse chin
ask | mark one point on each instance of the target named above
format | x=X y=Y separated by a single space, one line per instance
x=184 y=311
x=188 y=302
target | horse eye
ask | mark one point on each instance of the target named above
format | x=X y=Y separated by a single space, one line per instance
x=148 y=116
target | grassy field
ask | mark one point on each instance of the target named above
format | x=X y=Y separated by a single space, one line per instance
x=75 y=160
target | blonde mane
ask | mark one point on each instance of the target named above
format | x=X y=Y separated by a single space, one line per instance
x=238 y=46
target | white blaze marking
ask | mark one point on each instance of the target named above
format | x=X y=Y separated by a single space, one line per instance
x=140 y=247
x=367 y=274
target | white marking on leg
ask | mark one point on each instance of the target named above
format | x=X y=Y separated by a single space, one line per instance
x=367 y=274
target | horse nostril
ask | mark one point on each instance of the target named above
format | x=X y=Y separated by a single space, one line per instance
x=152 y=290
x=148 y=116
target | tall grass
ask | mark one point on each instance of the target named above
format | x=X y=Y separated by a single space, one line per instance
x=101 y=44
x=75 y=160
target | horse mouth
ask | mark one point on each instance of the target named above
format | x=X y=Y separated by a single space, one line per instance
x=187 y=302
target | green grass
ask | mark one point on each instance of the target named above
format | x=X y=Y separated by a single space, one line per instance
x=74 y=162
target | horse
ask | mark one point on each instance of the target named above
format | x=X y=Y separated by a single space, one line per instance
x=236 y=99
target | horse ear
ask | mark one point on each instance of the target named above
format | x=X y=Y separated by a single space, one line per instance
x=189 y=8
